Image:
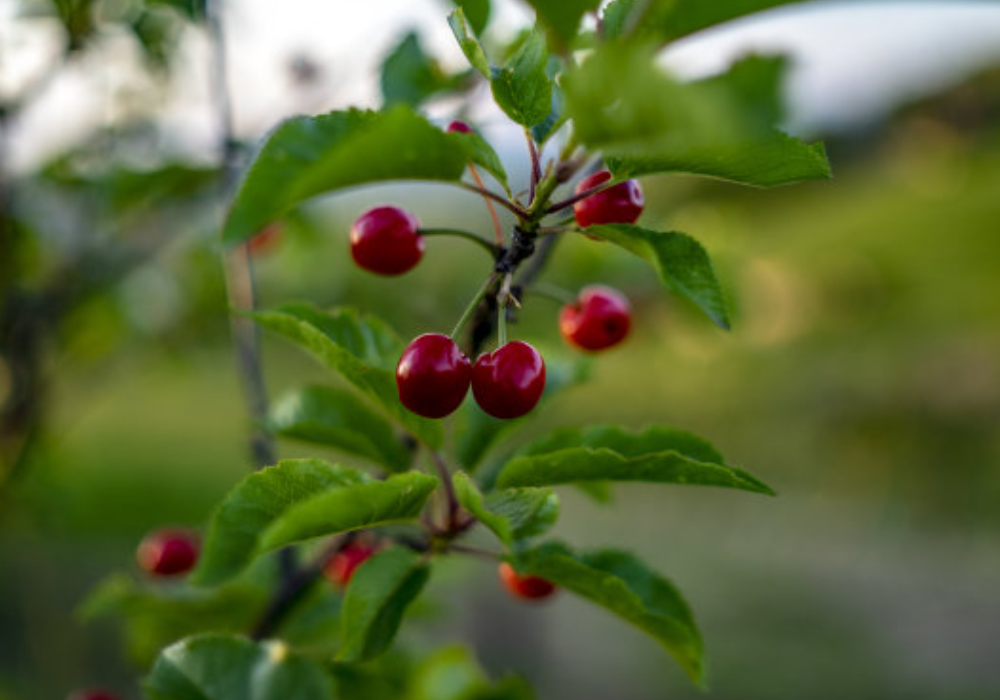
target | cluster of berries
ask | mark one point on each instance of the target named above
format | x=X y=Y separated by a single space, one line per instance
x=434 y=375
x=170 y=552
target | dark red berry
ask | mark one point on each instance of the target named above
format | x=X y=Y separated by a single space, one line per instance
x=598 y=319
x=459 y=126
x=508 y=382
x=385 y=240
x=621 y=204
x=527 y=587
x=433 y=376
x=168 y=552
x=340 y=568
x=92 y=695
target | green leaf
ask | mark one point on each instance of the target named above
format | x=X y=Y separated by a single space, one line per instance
x=477 y=12
x=512 y=514
x=622 y=584
x=409 y=76
x=470 y=46
x=398 y=498
x=658 y=455
x=482 y=154
x=646 y=122
x=222 y=667
x=529 y=511
x=234 y=534
x=358 y=347
x=377 y=597
x=777 y=159
x=666 y=20
x=623 y=103
x=155 y=616
x=338 y=418
x=681 y=263
x=562 y=17
x=453 y=674
x=556 y=118
x=763 y=157
x=522 y=88
x=307 y=156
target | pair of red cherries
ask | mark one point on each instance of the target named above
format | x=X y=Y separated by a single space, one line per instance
x=434 y=375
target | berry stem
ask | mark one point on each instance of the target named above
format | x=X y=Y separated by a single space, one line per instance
x=504 y=298
x=491 y=248
x=536 y=168
x=444 y=473
x=483 y=192
x=558 y=206
x=475 y=551
x=553 y=293
x=497 y=229
x=470 y=310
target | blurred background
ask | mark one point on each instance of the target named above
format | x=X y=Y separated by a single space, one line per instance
x=861 y=379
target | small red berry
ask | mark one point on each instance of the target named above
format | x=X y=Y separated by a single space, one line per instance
x=168 y=552
x=527 y=587
x=459 y=126
x=266 y=239
x=598 y=319
x=433 y=375
x=384 y=240
x=340 y=567
x=621 y=204
x=508 y=382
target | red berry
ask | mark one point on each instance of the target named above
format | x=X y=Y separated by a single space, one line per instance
x=508 y=382
x=527 y=587
x=340 y=568
x=433 y=375
x=598 y=319
x=385 y=240
x=266 y=239
x=621 y=204
x=460 y=127
x=168 y=552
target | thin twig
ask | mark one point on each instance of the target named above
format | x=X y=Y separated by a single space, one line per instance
x=497 y=228
x=449 y=487
x=558 y=206
x=239 y=274
x=536 y=168
x=475 y=551
x=517 y=210
x=491 y=248
x=294 y=587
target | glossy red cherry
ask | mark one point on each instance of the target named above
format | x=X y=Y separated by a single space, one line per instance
x=508 y=382
x=168 y=552
x=92 y=695
x=384 y=240
x=527 y=587
x=621 y=204
x=340 y=568
x=599 y=318
x=460 y=127
x=433 y=376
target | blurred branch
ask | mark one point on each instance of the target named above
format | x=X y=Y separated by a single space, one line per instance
x=239 y=276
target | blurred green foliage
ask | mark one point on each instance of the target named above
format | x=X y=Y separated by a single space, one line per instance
x=861 y=380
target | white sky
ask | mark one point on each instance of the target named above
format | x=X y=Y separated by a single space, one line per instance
x=853 y=59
